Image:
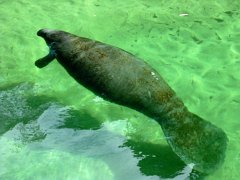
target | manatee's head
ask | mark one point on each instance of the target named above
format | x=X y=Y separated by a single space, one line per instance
x=52 y=37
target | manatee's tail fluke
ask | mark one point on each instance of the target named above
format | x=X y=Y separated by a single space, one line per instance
x=196 y=141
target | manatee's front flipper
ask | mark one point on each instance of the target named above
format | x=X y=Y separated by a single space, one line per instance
x=42 y=62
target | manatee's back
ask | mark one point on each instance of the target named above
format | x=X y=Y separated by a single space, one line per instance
x=112 y=73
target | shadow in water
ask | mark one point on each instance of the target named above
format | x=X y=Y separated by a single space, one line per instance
x=160 y=160
x=81 y=119
x=20 y=105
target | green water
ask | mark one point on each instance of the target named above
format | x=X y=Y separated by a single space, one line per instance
x=53 y=128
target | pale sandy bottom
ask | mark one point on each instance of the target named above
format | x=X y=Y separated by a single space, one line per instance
x=53 y=128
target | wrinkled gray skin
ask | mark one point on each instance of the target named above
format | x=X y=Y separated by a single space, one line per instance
x=122 y=78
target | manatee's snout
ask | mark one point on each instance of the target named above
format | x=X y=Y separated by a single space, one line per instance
x=43 y=32
x=46 y=34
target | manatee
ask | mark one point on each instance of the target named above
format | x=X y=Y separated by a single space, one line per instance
x=122 y=78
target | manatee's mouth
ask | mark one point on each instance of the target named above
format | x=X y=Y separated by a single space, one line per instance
x=42 y=62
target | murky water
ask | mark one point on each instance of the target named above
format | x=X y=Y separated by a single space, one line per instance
x=53 y=128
